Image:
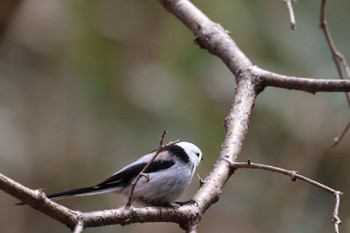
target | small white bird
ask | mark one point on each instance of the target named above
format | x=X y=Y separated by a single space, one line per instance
x=167 y=176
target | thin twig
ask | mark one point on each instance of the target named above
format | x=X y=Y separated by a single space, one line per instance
x=295 y=176
x=289 y=4
x=338 y=57
x=339 y=61
x=337 y=139
x=142 y=173
x=335 y=216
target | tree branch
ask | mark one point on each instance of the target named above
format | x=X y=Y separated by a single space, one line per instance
x=37 y=200
x=129 y=215
x=339 y=61
x=335 y=216
x=78 y=221
x=289 y=4
x=236 y=124
x=299 y=83
x=337 y=139
x=338 y=58
x=295 y=176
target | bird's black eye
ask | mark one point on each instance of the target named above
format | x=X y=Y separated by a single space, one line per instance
x=198 y=154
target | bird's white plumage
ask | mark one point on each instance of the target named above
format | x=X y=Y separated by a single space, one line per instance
x=167 y=185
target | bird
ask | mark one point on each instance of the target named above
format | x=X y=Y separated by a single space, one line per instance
x=163 y=181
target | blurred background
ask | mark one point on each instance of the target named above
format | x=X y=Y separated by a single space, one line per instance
x=86 y=87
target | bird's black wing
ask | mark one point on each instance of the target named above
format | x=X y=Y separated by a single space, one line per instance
x=123 y=177
x=128 y=173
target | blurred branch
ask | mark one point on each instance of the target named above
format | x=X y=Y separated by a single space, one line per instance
x=339 y=61
x=295 y=176
x=7 y=10
x=289 y=4
x=338 y=57
x=336 y=140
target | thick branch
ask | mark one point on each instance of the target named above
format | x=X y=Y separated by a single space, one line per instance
x=37 y=200
x=236 y=124
x=77 y=221
x=213 y=37
x=129 y=215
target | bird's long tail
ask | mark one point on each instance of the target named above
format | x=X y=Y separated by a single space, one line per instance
x=86 y=191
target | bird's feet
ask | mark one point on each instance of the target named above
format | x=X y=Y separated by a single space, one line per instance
x=190 y=202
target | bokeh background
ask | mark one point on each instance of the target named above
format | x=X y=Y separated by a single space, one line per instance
x=87 y=86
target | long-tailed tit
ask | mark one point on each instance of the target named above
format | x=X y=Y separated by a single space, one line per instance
x=165 y=179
